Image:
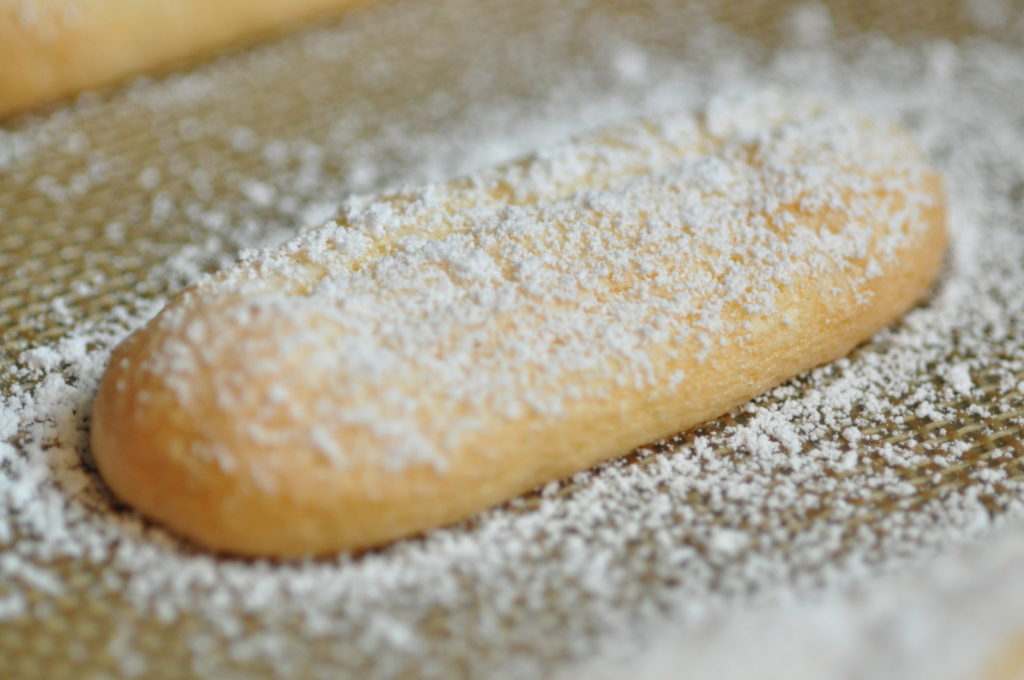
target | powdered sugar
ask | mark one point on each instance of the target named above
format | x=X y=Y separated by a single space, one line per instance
x=816 y=485
x=536 y=286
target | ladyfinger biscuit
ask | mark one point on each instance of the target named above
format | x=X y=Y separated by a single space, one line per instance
x=430 y=353
x=50 y=49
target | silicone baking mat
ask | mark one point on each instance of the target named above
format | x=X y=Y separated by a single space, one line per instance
x=124 y=196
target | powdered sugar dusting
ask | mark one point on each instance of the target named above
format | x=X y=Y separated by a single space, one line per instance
x=535 y=286
x=831 y=479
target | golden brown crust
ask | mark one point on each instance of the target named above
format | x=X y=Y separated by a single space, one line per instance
x=164 y=456
x=54 y=49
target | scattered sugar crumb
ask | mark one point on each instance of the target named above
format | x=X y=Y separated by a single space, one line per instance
x=959 y=378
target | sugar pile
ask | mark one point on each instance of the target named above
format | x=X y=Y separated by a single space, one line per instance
x=826 y=483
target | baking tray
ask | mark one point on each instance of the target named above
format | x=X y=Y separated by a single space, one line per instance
x=121 y=197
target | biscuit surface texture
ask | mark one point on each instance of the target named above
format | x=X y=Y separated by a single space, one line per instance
x=432 y=352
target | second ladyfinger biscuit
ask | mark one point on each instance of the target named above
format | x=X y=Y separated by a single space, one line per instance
x=50 y=49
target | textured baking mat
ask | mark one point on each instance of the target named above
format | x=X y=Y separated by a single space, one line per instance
x=110 y=203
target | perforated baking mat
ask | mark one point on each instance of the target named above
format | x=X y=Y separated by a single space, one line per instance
x=112 y=202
